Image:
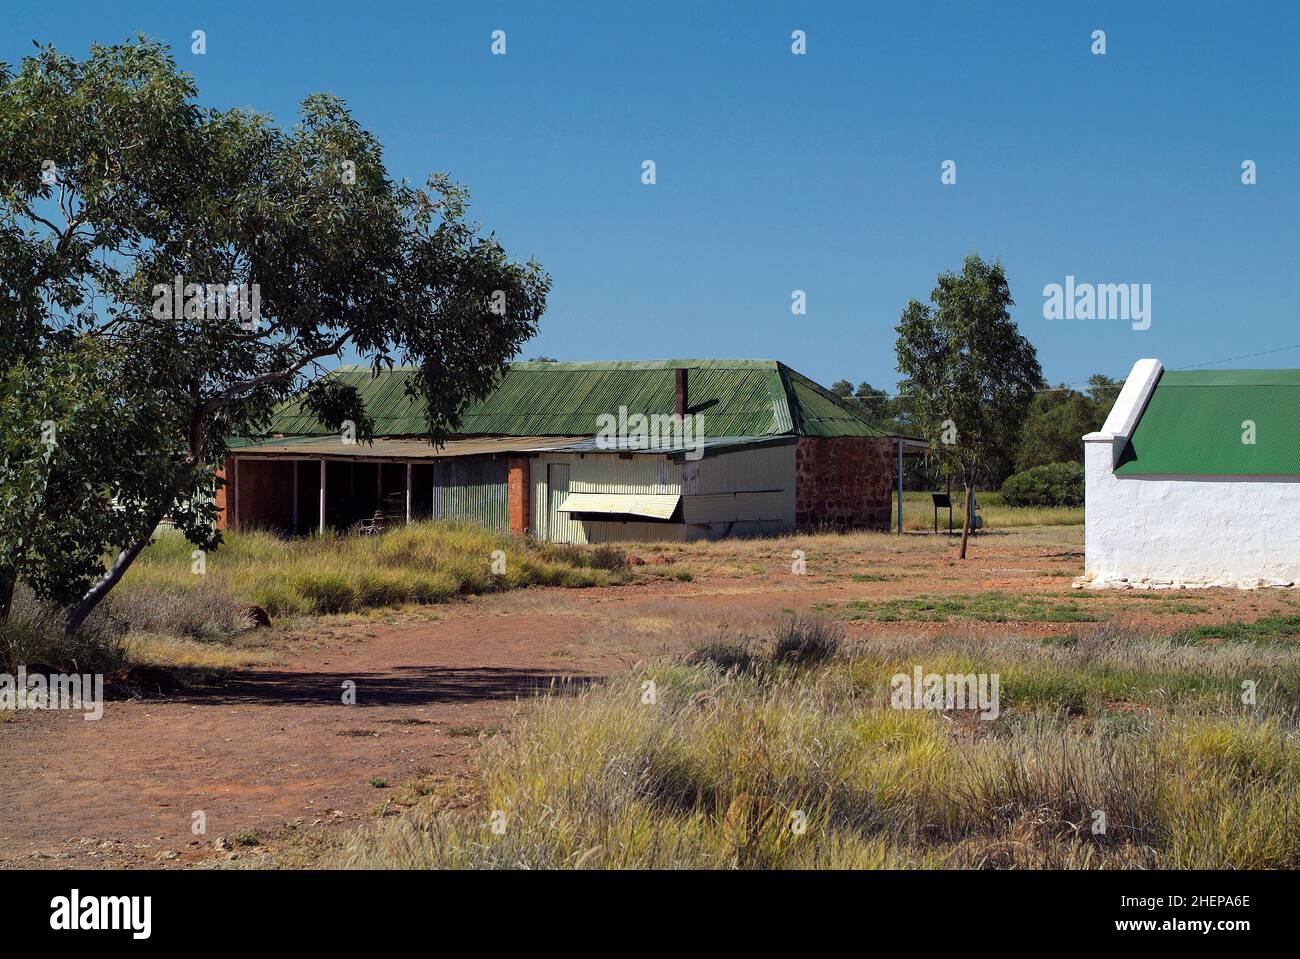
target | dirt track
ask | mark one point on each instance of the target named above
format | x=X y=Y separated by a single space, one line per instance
x=277 y=745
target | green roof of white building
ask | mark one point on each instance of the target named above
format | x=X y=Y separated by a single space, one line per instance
x=1218 y=423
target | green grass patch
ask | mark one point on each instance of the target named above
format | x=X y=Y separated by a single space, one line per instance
x=1268 y=630
x=978 y=607
x=918 y=513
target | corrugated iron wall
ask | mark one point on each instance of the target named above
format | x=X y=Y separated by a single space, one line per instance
x=744 y=492
x=761 y=469
x=602 y=473
x=473 y=489
x=610 y=473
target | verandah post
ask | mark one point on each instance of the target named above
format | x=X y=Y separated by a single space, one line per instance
x=322 y=495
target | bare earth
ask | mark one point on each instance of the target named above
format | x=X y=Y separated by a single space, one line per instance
x=274 y=749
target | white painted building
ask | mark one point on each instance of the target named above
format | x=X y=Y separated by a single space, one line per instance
x=1194 y=480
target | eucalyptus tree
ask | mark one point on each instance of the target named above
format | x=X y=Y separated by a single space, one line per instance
x=968 y=373
x=187 y=269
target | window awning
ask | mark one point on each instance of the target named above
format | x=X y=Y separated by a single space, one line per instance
x=653 y=505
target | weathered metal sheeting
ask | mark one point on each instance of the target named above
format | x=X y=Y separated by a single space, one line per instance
x=472 y=489
x=401 y=449
x=745 y=490
x=394 y=412
x=734 y=397
x=540 y=399
x=655 y=506
x=818 y=412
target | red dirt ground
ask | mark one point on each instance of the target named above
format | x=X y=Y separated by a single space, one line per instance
x=276 y=745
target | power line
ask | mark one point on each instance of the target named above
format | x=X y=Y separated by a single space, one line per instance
x=1244 y=356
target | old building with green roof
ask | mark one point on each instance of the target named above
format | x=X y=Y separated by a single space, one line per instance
x=580 y=452
x=1194 y=480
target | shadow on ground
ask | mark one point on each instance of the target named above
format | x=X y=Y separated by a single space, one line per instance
x=402 y=686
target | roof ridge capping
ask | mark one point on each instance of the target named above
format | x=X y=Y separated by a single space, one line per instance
x=1132 y=400
x=1130 y=403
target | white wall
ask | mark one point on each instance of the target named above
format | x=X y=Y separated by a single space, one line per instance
x=1188 y=530
x=1167 y=530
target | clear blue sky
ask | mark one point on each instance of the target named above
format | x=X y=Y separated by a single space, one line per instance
x=819 y=172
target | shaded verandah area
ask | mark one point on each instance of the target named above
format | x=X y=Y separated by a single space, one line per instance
x=302 y=485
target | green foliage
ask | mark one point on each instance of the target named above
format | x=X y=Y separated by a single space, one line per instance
x=1053 y=484
x=81 y=467
x=116 y=187
x=1104 y=390
x=876 y=406
x=968 y=373
x=1265 y=631
x=1054 y=430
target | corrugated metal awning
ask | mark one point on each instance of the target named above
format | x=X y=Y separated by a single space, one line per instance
x=653 y=505
x=412 y=448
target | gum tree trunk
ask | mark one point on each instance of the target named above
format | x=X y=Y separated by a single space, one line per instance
x=112 y=576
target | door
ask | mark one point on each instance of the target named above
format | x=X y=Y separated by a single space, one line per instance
x=557 y=488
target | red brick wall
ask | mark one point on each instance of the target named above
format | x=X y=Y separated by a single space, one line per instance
x=843 y=482
x=224 y=492
x=517 y=484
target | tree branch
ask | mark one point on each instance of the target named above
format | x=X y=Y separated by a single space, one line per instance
x=228 y=396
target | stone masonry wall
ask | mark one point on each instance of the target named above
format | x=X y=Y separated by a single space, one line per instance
x=843 y=482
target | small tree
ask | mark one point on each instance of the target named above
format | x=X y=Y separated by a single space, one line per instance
x=201 y=263
x=968 y=374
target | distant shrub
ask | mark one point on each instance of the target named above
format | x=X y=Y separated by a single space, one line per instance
x=1054 y=484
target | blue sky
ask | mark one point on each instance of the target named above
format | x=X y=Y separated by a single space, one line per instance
x=819 y=172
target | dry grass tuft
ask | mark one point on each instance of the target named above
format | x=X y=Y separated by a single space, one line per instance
x=1116 y=751
x=321 y=575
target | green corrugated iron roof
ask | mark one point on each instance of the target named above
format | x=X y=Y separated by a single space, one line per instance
x=736 y=398
x=1193 y=424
